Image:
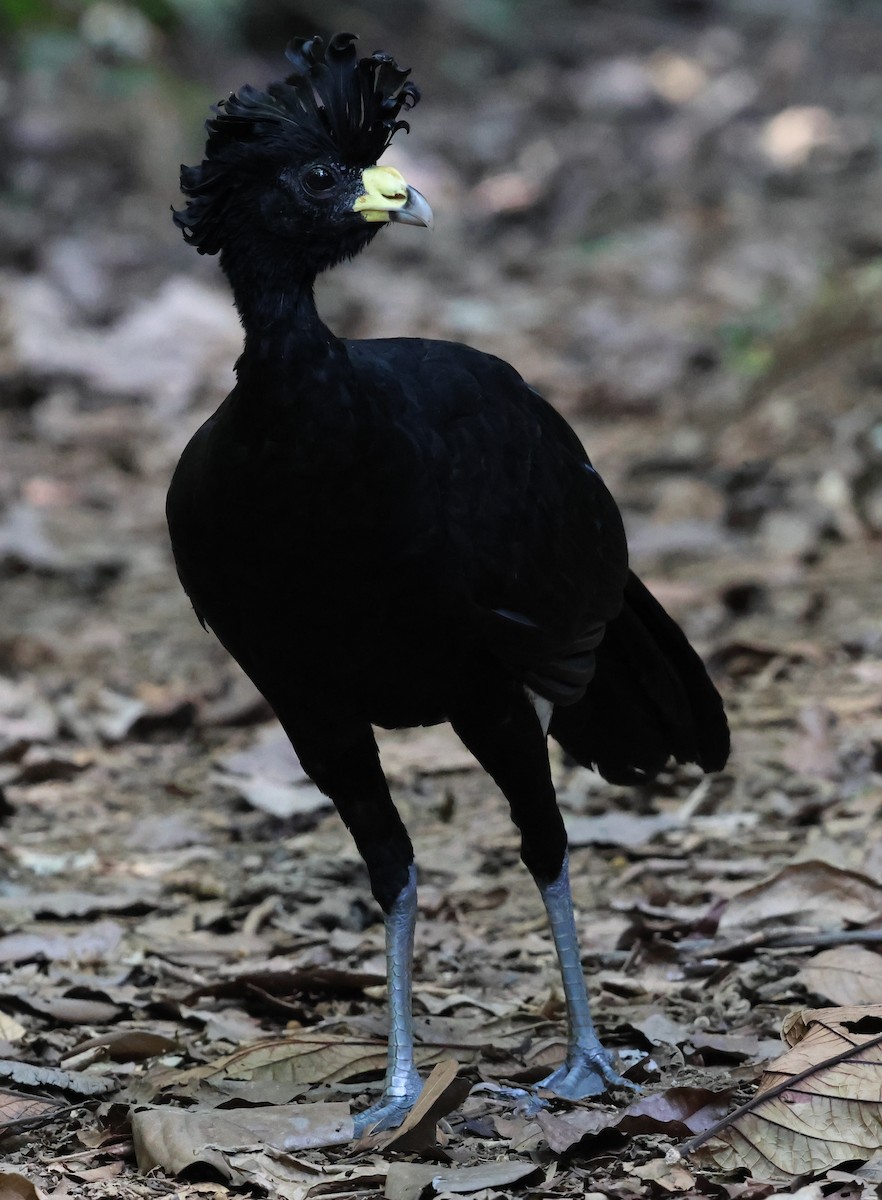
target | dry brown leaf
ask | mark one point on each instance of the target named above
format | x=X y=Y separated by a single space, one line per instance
x=563 y=1130
x=660 y=1030
x=618 y=828
x=10 y=1029
x=795 y=1027
x=670 y=1177
x=20 y=1106
x=110 y=1170
x=75 y=1082
x=285 y=1177
x=16 y=1187
x=303 y=1059
x=175 y=1139
x=816 y=1106
x=812 y=751
x=311 y=1057
x=96 y=943
x=70 y=1010
x=671 y=1112
x=268 y=775
x=409 y=1181
x=732 y=1047
x=813 y=893
x=69 y=902
x=844 y=975
x=300 y=1060
x=281 y=799
x=442 y=1093
x=129 y=1045
x=433 y=751
x=322 y=980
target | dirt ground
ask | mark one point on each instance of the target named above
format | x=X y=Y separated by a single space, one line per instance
x=670 y=220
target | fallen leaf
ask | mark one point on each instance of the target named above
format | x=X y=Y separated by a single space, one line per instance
x=442 y=1092
x=816 y=1106
x=670 y=1177
x=93 y=944
x=797 y=1025
x=409 y=1181
x=129 y=1045
x=10 y=1029
x=67 y=903
x=563 y=1130
x=16 y=1187
x=844 y=975
x=67 y=1081
x=407 y=755
x=25 y=717
x=268 y=775
x=21 y=1106
x=329 y=981
x=71 y=1010
x=279 y=1174
x=732 y=1047
x=135 y=356
x=175 y=1139
x=812 y=751
x=660 y=1030
x=670 y=1112
x=24 y=544
x=813 y=893
x=304 y=1059
x=618 y=828
x=676 y=1108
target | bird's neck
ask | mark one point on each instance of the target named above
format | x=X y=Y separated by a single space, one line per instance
x=274 y=297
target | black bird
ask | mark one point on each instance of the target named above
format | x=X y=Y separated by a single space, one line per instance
x=399 y=532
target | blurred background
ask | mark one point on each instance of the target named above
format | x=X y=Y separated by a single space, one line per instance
x=667 y=214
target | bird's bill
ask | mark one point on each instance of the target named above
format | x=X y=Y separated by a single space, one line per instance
x=387 y=197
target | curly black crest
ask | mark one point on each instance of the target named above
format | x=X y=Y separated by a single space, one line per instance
x=333 y=103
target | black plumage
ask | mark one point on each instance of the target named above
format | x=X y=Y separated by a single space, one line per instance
x=401 y=532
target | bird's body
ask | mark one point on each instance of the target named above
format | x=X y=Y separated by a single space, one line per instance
x=401 y=532
x=411 y=538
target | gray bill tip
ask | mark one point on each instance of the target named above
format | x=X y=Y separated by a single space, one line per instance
x=416 y=211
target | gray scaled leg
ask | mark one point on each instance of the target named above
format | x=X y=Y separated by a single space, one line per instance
x=342 y=759
x=403 y=1084
x=587 y=1070
x=506 y=733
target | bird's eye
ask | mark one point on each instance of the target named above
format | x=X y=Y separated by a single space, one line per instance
x=318 y=180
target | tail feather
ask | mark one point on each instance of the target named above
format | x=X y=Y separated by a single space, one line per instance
x=650 y=699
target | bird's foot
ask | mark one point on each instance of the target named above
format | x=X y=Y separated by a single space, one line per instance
x=390 y=1110
x=587 y=1072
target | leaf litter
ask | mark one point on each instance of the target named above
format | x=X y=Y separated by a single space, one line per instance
x=816 y=1106
x=191 y=963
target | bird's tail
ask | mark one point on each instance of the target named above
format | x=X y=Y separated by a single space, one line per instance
x=650 y=699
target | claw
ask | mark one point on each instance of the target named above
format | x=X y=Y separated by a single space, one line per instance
x=587 y=1072
x=390 y=1110
x=385 y=1114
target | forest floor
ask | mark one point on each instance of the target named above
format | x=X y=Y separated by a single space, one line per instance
x=680 y=242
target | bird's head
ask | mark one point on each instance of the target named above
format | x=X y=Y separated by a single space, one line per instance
x=296 y=164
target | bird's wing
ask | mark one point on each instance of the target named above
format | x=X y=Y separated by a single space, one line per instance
x=534 y=541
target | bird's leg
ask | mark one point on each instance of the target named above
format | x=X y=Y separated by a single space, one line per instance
x=403 y=1083
x=510 y=744
x=587 y=1070
x=344 y=762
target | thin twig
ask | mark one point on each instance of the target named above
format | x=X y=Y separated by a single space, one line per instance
x=22 y=1124
x=776 y=939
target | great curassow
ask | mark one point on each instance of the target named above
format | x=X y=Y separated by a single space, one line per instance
x=401 y=532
